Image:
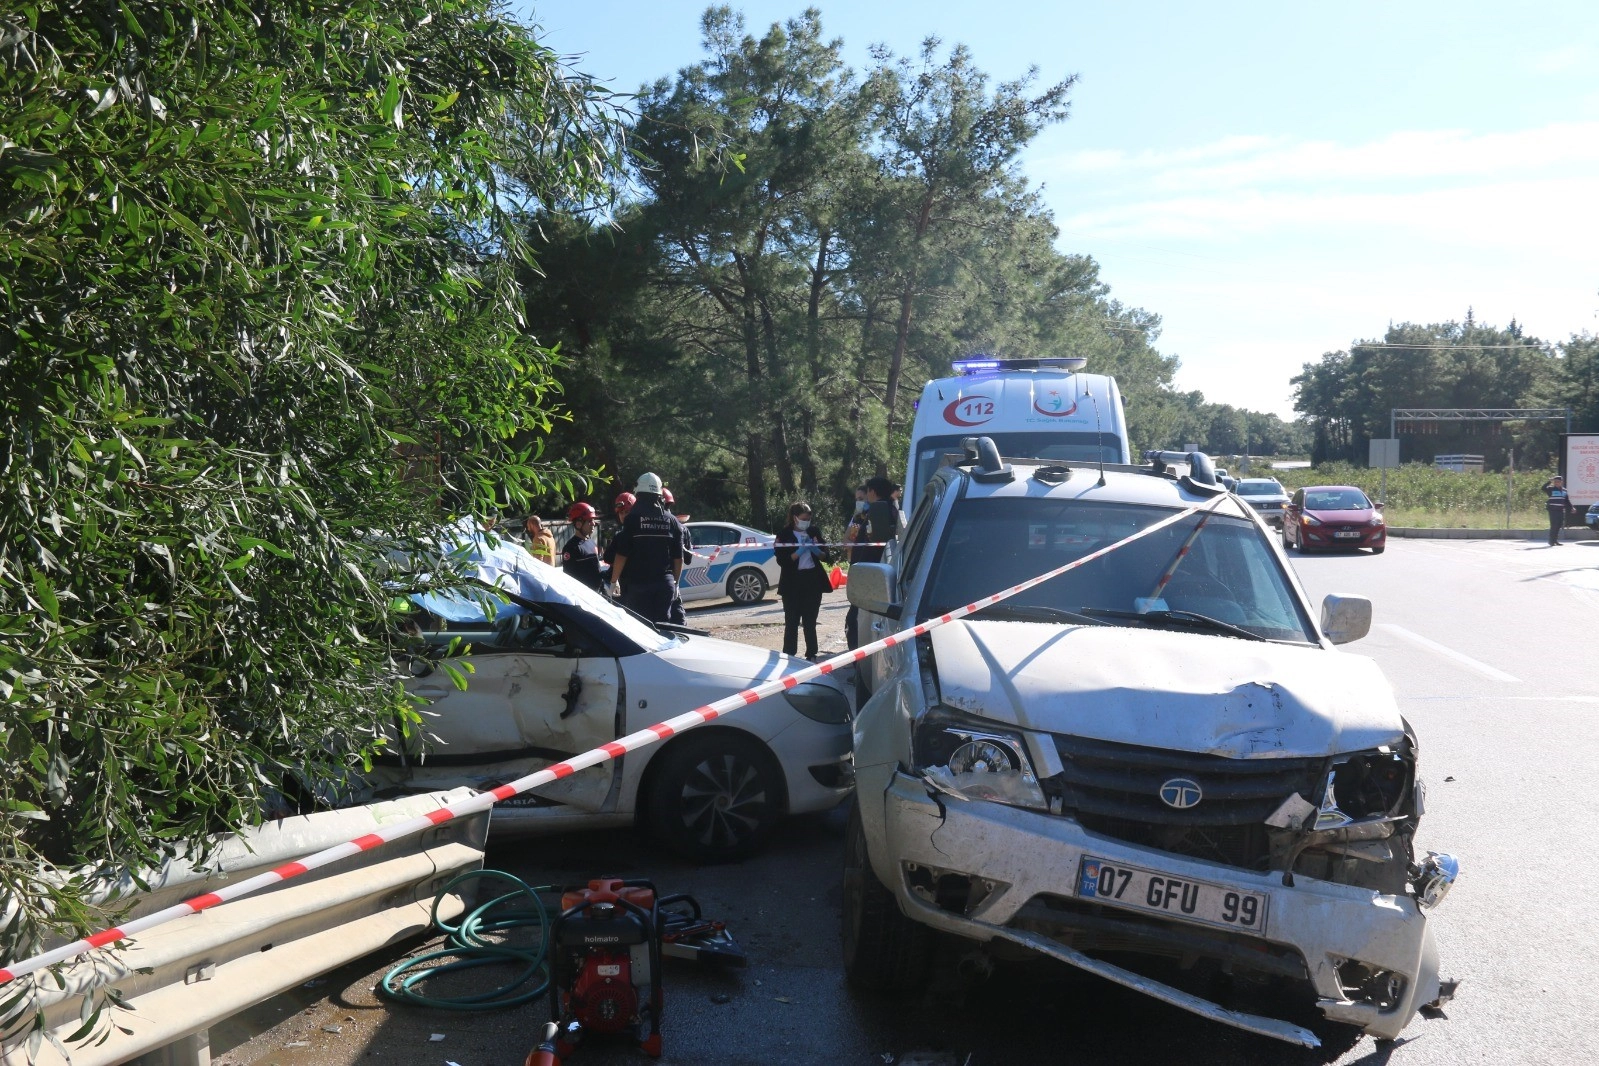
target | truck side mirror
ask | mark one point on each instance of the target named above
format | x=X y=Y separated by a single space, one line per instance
x=1345 y=618
x=871 y=588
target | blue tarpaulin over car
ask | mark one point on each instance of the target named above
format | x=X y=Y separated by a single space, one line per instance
x=505 y=564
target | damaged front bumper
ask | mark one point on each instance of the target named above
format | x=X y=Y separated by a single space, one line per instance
x=985 y=870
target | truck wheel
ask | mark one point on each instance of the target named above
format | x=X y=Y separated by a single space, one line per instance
x=713 y=796
x=884 y=951
x=746 y=586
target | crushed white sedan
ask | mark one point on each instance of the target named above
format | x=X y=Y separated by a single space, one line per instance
x=1152 y=763
x=560 y=670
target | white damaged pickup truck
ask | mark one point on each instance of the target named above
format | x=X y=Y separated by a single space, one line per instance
x=1153 y=762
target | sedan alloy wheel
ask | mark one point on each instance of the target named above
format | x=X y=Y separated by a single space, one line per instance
x=714 y=797
x=746 y=586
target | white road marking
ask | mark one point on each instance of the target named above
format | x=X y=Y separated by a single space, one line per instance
x=1491 y=673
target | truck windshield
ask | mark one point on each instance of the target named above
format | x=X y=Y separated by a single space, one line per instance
x=1065 y=447
x=1228 y=575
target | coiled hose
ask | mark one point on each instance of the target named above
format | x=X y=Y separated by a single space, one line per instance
x=469 y=950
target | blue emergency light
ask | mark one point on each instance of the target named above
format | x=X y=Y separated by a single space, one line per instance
x=972 y=366
x=1070 y=363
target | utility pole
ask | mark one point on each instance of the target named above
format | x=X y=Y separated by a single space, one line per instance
x=1510 y=484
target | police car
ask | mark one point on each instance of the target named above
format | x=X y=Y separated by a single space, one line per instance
x=729 y=560
x=1039 y=408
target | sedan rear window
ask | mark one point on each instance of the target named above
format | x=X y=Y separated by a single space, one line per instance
x=1336 y=500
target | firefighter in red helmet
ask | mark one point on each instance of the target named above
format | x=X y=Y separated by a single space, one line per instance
x=581 y=555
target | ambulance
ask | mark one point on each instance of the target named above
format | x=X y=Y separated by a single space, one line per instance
x=1031 y=409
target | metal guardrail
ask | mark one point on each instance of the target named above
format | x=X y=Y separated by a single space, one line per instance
x=185 y=976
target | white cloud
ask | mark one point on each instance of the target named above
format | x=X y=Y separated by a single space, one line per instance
x=1557 y=216
x=1559 y=60
x=1262 y=253
x=1234 y=162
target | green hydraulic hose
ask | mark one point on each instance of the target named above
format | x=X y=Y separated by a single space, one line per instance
x=468 y=950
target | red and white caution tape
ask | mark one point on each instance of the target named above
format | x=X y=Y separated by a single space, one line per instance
x=484 y=800
x=791 y=545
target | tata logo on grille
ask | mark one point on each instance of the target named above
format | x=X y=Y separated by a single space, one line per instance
x=1181 y=793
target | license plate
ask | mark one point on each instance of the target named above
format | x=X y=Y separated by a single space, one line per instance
x=1184 y=898
x=1351 y=535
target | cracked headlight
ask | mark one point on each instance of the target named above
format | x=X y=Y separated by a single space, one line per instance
x=976 y=762
x=1367 y=785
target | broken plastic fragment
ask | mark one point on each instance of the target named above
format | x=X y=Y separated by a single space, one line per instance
x=1004 y=786
x=1291 y=813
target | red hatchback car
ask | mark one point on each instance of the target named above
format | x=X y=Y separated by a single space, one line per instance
x=1333 y=516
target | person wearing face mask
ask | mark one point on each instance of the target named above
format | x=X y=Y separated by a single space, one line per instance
x=801 y=554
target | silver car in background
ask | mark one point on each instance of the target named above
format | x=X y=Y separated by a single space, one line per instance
x=1266 y=496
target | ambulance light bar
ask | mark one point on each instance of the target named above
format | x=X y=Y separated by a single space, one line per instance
x=965 y=367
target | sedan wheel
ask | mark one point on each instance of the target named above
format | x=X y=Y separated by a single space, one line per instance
x=713 y=797
x=746 y=586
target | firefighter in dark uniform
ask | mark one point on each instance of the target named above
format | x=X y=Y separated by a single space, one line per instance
x=580 y=558
x=650 y=548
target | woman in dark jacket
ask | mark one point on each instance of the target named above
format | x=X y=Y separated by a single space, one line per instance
x=801 y=558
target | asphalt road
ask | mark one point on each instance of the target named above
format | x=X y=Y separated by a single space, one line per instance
x=1491 y=648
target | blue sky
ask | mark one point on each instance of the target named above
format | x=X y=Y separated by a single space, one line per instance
x=1275 y=180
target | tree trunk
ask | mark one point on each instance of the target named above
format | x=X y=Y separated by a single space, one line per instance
x=813 y=350
x=782 y=453
x=849 y=472
x=907 y=297
x=756 y=477
x=755 y=480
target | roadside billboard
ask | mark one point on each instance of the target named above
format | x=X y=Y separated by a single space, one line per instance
x=1579 y=465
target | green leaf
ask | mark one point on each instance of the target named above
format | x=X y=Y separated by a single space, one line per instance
x=47 y=595
x=455 y=674
x=389 y=103
x=255 y=542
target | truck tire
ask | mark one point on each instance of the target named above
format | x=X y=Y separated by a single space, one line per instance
x=884 y=951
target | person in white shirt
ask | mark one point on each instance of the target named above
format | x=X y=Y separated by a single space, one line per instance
x=802 y=554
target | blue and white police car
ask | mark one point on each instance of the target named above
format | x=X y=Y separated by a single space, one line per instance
x=729 y=560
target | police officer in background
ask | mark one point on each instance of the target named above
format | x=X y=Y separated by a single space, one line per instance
x=581 y=555
x=650 y=550
x=1559 y=505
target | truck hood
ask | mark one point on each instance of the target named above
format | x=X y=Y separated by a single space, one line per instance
x=1199 y=693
